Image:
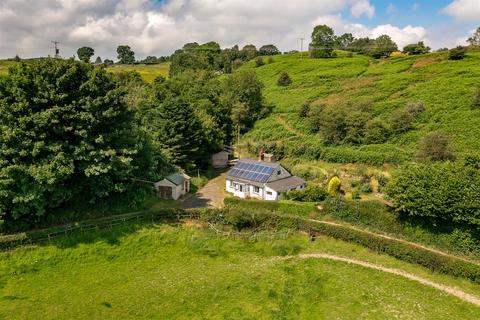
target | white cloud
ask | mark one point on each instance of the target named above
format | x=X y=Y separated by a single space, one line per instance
x=362 y=7
x=27 y=27
x=464 y=10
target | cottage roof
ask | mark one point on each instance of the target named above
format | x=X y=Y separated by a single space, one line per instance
x=283 y=185
x=253 y=171
x=176 y=178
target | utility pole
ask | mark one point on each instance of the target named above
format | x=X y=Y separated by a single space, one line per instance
x=57 y=51
x=301 y=47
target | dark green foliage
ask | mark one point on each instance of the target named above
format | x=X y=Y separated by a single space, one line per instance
x=435 y=146
x=476 y=99
x=98 y=60
x=403 y=119
x=268 y=50
x=376 y=131
x=304 y=110
x=154 y=60
x=284 y=80
x=245 y=91
x=180 y=134
x=382 y=47
x=345 y=41
x=259 y=62
x=309 y=194
x=355 y=123
x=416 y=48
x=323 y=42
x=125 y=55
x=67 y=136
x=361 y=45
x=457 y=53
x=366 y=188
x=249 y=52
x=85 y=53
x=107 y=62
x=438 y=192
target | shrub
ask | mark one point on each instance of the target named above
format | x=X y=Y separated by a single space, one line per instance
x=457 y=53
x=259 y=62
x=270 y=60
x=284 y=80
x=376 y=131
x=349 y=54
x=416 y=48
x=304 y=110
x=403 y=120
x=356 y=195
x=443 y=193
x=334 y=186
x=435 y=146
x=309 y=194
x=366 y=188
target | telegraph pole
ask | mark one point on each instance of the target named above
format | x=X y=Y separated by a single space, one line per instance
x=301 y=47
x=57 y=51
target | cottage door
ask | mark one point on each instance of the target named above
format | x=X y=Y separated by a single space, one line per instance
x=165 y=192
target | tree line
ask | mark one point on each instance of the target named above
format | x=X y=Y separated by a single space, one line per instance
x=75 y=136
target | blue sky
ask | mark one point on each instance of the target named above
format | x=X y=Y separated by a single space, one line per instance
x=153 y=27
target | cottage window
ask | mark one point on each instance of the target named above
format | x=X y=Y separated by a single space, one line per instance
x=279 y=172
x=256 y=189
x=269 y=193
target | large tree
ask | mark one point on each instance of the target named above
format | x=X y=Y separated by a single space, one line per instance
x=416 y=48
x=125 y=55
x=382 y=47
x=85 y=53
x=67 y=136
x=249 y=52
x=323 y=42
x=474 y=40
x=344 y=41
x=268 y=50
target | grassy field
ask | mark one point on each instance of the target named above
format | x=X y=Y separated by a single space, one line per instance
x=188 y=272
x=148 y=72
x=4 y=65
x=445 y=87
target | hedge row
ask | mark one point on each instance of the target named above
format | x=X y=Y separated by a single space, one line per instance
x=403 y=251
x=37 y=236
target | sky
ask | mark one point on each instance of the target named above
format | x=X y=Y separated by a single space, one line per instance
x=159 y=27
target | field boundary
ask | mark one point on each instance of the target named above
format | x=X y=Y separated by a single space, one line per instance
x=398 y=272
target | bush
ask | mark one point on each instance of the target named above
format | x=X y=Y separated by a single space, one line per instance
x=356 y=195
x=334 y=186
x=435 y=146
x=416 y=48
x=376 y=131
x=259 y=62
x=270 y=60
x=309 y=194
x=457 y=53
x=366 y=188
x=437 y=193
x=304 y=110
x=403 y=120
x=284 y=80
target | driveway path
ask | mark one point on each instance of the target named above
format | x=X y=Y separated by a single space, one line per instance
x=210 y=196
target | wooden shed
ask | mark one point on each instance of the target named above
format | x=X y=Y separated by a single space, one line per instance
x=220 y=160
x=174 y=186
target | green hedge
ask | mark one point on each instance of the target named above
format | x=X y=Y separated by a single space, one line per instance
x=403 y=251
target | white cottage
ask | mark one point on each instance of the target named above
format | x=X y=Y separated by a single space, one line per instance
x=261 y=180
x=174 y=186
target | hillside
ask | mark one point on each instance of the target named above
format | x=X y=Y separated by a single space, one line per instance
x=188 y=271
x=444 y=87
x=148 y=72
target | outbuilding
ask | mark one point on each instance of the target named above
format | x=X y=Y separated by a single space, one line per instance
x=174 y=186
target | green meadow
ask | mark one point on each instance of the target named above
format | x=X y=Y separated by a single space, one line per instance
x=189 y=272
x=148 y=71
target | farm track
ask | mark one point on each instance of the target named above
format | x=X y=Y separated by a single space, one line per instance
x=444 y=288
x=414 y=244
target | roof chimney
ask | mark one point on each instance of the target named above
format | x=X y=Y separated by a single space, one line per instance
x=268 y=157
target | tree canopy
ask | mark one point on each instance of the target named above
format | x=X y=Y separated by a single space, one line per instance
x=85 y=53
x=125 y=55
x=268 y=50
x=67 y=135
x=416 y=48
x=323 y=42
